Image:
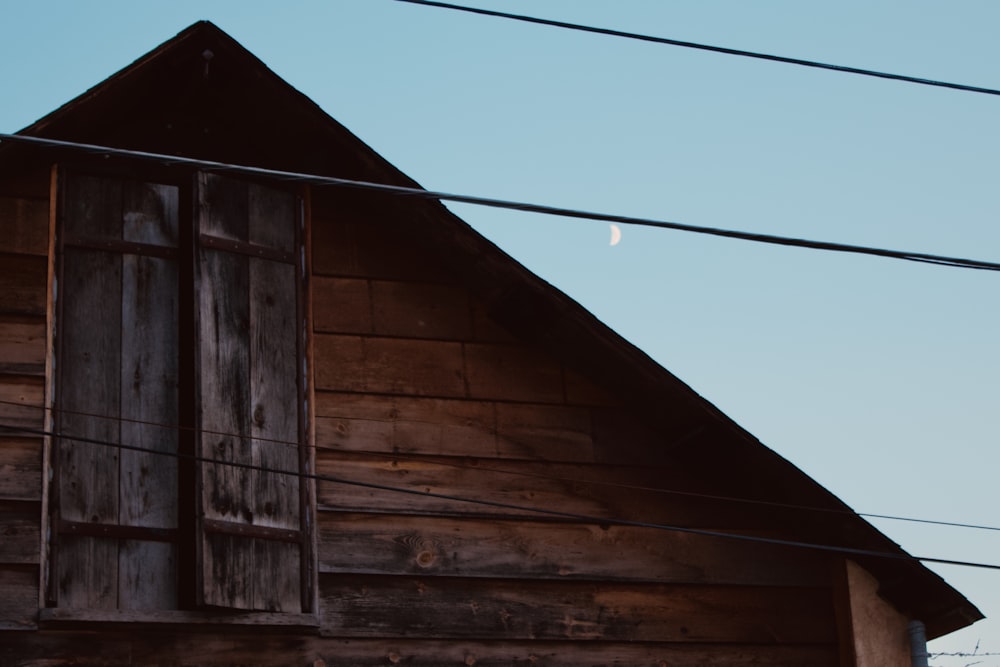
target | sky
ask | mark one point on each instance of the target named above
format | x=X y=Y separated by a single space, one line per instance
x=879 y=378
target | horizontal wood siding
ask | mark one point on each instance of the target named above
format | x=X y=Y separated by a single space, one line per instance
x=363 y=606
x=128 y=648
x=423 y=402
x=24 y=240
x=18 y=601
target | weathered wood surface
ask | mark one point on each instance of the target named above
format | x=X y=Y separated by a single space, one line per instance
x=428 y=607
x=23 y=281
x=21 y=399
x=89 y=398
x=620 y=492
x=874 y=633
x=128 y=649
x=392 y=308
x=22 y=345
x=19 y=532
x=18 y=601
x=249 y=394
x=512 y=372
x=24 y=226
x=358 y=244
x=531 y=550
x=389 y=365
x=20 y=468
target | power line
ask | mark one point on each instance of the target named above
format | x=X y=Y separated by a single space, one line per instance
x=396 y=456
x=420 y=193
x=707 y=47
x=510 y=506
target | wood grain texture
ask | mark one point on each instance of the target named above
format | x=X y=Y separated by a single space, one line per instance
x=86 y=572
x=24 y=225
x=211 y=649
x=274 y=426
x=149 y=392
x=358 y=244
x=512 y=372
x=535 y=550
x=421 y=310
x=20 y=468
x=369 y=422
x=365 y=606
x=389 y=366
x=225 y=385
x=21 y=402
x=342 y=305
x=23 y=281
x=88 y=390
x=18 y=601
x=19 y=532
x=22 y=345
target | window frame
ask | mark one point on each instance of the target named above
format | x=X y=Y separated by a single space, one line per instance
x=190 y=529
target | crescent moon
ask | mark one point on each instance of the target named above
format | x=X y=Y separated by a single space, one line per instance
x=616 y=235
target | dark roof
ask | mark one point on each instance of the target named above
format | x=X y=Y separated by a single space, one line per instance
x=202 y=95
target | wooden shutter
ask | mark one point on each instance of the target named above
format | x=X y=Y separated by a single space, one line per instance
x=252 y=541
x=114 y=510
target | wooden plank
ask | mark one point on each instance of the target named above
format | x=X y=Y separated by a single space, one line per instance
x=421 y=310
x=368 y=606
x=433 y=546
x=485 y=329
x=271 y=217
x=92 y=207
x=150 y=213
x=342 y=305
x=149 y=392
x=20 y=468
x=275 y=429
x=19 y=532
x=512 y=372
x=225 y=423
x=274 y=394
x=21 y=402
x=389 y=366
x=89 y=397
x=581 y=390
x=617 y=492
x=361 y=245
x=549 y=432
x=147 y=571
x=24 y=225
x=18 y=599
x=223 y=207
x=876 y=633
x=225 y=385
x=233 y=647
x=87 y=572
x=23 y=281
x=369 y=422
x=22 y=345
x=147 y=575
x=88 y=392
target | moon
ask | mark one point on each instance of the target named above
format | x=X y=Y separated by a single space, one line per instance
x=616 y=235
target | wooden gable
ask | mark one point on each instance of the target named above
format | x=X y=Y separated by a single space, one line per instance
x=448 y=393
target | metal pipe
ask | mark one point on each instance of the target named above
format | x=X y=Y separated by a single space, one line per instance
x=918 y=644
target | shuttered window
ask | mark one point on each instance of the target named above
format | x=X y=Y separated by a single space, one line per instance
x=179 y=398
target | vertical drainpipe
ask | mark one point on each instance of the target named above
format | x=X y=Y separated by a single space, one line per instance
x=918 y=644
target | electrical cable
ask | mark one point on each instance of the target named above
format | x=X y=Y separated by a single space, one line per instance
x=706 y=47
x=435 y=460
x=420 y=193
x=511 y=506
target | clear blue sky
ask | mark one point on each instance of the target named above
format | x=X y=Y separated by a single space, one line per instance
x=879 y=378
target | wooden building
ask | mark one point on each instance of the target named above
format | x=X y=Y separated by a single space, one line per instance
x=250 y=420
